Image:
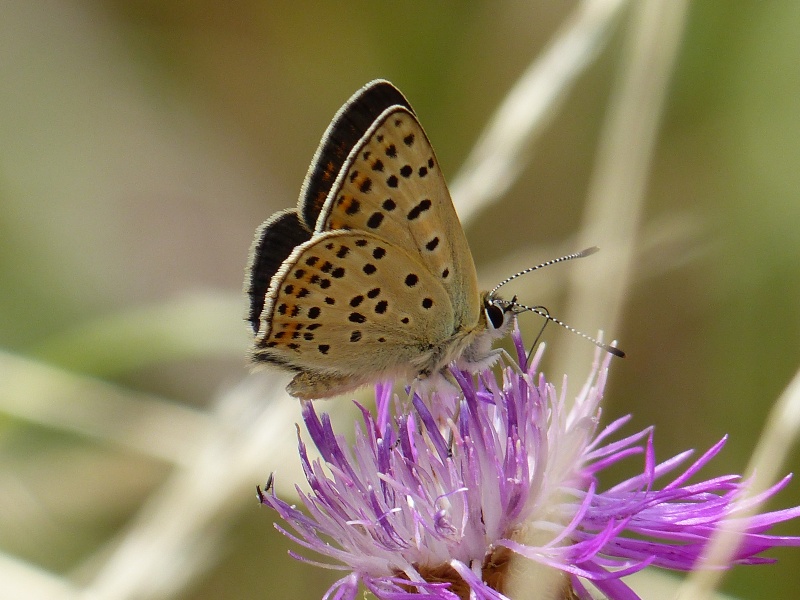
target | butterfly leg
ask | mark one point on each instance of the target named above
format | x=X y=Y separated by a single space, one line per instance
x=509 y=360
x=489 y=360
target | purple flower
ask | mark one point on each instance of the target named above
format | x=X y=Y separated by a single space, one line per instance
x=501 y=480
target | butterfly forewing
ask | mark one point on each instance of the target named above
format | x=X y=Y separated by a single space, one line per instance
x=345 y=131
x=349 y=302
x=391 y=185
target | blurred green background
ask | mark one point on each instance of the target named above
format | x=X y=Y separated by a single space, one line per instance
x=143 y=142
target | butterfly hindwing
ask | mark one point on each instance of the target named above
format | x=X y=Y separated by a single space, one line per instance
x=275 y=240
x=350 y=303
x=391 y=185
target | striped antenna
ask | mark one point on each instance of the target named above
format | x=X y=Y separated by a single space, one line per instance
x=542 y=312
x=574 y=255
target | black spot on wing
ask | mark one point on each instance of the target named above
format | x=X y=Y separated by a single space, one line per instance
x=274 y=242
x=420 y=208
x=347 y=128
x=353 y=207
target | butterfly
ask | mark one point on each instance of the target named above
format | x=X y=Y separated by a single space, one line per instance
x=370 y=278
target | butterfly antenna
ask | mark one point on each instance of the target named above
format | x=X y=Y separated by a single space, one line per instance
x=542 y=312
x=574 y=255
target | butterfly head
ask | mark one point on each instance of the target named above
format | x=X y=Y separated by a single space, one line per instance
x=498 y=313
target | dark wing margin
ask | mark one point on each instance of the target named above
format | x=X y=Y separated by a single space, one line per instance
x=346 y=129
x=275 y=240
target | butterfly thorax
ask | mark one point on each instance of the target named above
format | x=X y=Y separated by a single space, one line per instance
x=470 y=345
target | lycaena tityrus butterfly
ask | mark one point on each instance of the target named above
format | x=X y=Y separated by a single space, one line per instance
x=370 y=277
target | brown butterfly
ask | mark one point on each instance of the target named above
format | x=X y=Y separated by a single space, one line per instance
x=370 y=278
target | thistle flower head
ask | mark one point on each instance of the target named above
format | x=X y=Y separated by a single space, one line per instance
x=500 y=481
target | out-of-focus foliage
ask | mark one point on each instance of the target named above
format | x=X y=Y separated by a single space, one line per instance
x=143 y=142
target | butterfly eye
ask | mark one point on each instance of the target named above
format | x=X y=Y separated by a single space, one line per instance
x=494 y=314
